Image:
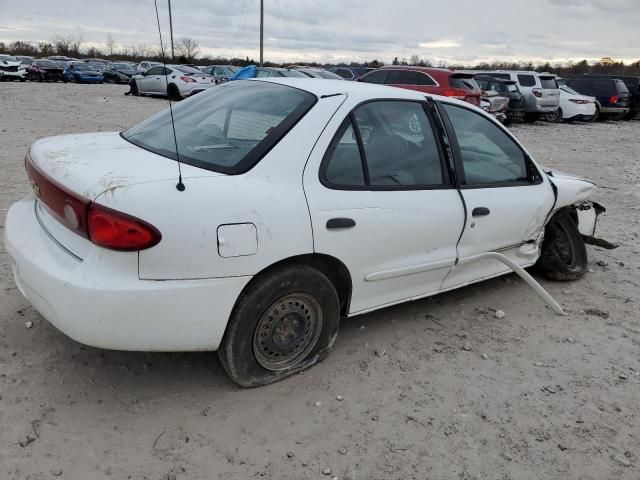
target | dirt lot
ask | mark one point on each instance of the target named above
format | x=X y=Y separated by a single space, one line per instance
x=537 y=396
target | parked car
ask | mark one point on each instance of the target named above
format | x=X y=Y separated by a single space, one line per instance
x=26 y=61
x=220 y=73
x=633 y=85
x=144 y=66
x=62 y=58
x=495 y=105
x=574 y=106
x=267 y=243
x=319 y=73
x=439 y=81
x=349 y=73
x=12 y=69
x=119 y=72
x=266 y=72
x=97 y=61
x=45 y=71
x=81 y=72
x=174 y=81
x=504 y=88
x=612 y=95
x=540 y=91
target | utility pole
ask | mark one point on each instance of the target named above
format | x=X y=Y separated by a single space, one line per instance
x=171 y=31
x=261 y=31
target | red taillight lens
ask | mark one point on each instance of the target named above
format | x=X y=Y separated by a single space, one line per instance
x=455 y=93
x=613 y=99
x=68 y=207
x=537 y=93
x=118 y=231
x=188 y=79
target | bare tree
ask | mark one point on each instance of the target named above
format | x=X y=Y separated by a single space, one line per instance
x=68 y=45
x=111 y=44
x=188 y=48
x=414 y=59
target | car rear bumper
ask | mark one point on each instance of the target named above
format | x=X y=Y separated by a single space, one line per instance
x=192 y=89
x=614 y=110
x=100 y=301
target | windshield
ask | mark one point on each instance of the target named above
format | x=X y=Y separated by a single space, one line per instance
x=462 y=82
x=548 y=82
x=7 y=58
x=290 y=73
x=226 y=129
x=569 y=90
x=124 y=67
x=187 y=70
x=81 y=66
x=513 y=88
x=47 y=64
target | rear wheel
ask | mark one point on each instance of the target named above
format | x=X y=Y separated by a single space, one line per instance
x=173 y=93
x=284 y=322
x=564 y=255
x=554 y=116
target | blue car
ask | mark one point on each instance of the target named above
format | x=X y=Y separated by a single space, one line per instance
x=81 y=72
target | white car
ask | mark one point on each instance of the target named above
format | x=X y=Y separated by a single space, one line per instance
x=12 y=69
x=175 y=81
x=574 y=106
x=299 y=201
x=144 y=66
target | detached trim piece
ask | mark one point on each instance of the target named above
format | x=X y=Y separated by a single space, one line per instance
x=548 y=299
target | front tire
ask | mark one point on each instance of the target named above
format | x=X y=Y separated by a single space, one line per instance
x=564 y=254
x=284 y=322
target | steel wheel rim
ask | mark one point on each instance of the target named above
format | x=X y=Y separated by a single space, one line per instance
x=287 y=331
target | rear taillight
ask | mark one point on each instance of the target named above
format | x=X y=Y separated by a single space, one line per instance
x=455 y=93
x=115 y=230
x=69 y=208
x=613 y=99
x=537 y=92
x=188 y=79
x=579 y=102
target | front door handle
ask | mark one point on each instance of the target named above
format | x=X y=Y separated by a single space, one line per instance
x=480 y=212
x=334 y=223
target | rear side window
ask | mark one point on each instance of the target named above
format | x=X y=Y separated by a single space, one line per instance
x=226 y=129
x=345 y=73
x=387 y=145
x=378 y=77
x=527 y=80
x=407 y=77
x=549 y=83
x=489 y=155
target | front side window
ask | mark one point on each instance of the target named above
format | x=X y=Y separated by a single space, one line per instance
x=395 y=143
x=226 y=129
x=489 y=155
x=155 y=71
x=527 y=80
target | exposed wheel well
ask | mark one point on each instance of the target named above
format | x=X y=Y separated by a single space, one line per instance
x=334 y=269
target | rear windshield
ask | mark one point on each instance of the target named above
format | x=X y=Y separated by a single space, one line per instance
x=466 y=83
x=226 y=129
x=187 y=70
x=527 y=80
x=548 y=82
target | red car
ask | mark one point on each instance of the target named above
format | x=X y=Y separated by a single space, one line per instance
x=439 y=81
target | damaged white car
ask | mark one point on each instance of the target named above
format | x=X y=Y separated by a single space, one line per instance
x=299 y=201
x=12 y=69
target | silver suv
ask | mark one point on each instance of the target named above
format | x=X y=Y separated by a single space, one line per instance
x=540 y=90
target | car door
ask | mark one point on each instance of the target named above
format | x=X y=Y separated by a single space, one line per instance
x=381 y=201
x=153 y=80
x=507 y=199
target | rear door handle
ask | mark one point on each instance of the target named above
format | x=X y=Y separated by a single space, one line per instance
x=480 y=212
x=334 y=223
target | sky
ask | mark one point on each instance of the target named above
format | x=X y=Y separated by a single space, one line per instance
x=332 y=31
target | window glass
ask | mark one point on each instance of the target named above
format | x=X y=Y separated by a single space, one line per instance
x=547 y=82
x=527 y=80
x=226 y=128
x=154 y=71
x=464 y=83
x=489 y=155
x=378 y=77
x=344 y=73
x=407 y=77
x=399 y=145
x=502 y=76
x=344 y=167
x=263 y=73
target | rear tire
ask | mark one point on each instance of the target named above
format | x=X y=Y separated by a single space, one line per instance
x=173 y=93
x=564 y=254
x=555 y=116
x=285 y=321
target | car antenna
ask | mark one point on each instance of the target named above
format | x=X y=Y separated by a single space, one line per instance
x=179 y=186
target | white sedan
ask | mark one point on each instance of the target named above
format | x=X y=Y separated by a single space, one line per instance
x=299 y=202
x=175 y=81
x=574 y=106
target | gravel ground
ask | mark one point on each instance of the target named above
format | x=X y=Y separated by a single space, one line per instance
x=535 y=396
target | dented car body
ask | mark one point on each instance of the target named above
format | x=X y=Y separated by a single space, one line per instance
x=300 y=201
